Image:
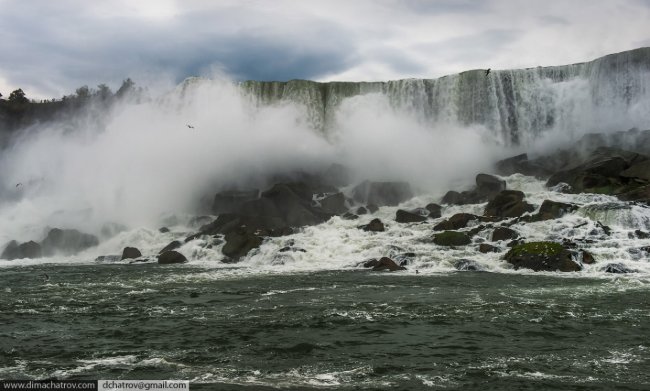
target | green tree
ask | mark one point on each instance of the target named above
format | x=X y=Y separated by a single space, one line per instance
x=18 y=97
x=126 y=88
x=103 y=92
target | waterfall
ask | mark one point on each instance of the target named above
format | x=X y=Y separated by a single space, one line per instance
x=611 y=92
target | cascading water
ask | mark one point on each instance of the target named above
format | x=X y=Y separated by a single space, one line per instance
x=611 y=92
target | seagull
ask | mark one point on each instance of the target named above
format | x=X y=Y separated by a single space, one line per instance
x=190 y=126
x=487 y=72
x=18 y=184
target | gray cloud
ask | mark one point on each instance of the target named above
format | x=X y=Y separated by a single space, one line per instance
x=51 y=47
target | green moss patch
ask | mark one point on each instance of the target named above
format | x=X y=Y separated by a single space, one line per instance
x=536 y=248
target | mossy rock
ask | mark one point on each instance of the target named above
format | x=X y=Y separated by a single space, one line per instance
x=451 y=238
x=542 y=256
x=537 y=248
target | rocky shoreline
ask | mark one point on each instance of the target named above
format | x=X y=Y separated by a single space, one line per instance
x=616 y=164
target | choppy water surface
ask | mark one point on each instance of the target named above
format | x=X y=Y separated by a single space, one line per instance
x=330 y=329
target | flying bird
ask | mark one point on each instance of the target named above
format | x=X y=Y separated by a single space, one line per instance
x=46 y=278
x=190 y=126
x=487 y=72
x=18 y=184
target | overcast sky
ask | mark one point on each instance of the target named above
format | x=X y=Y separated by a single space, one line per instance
x=51 y=47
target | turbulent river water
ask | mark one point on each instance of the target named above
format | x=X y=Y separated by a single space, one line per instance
x=330 y=329
x=300 y=312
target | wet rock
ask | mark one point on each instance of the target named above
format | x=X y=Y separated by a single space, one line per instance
x=230 y=201
x=553 y=210
x=404 y=258
x=617 y=268
x=457 y=221
x=409 y=216
x=349 y=216
x=372 y=208
x=451 y=238
x=292 y=249
x=639 y=170
x=370 y=263
x=586 y=257
x=171 y=246
x=641 y=234
x=542 y=256
x=453 y=197
x=382 y=193
x=13 y=250
x=375 y=225
x=361 y=211
x=108 y=258
x=489 y=186
x=333 y=204
x=521 y=165
x=488 y=248
x=239 y=243
x=67 y=242
x=508 y=203
x=467 y=265
x=171 y=257
x=435 y=210
x=130 y=253
x=386 y=263
x=503 y=233
x=163 y=230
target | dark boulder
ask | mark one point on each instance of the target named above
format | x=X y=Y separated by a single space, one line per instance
x=542 y=256
x=586 y=257
x=230 y=200
x=293 y=202
x=603 y=172
x=375 y=225
x=451 y=238
x=333 y=204
x=553 y=210
x=382 y=193
x=386 y=263
x=130 y=253
x=452 y=197
x=641 y=234
x=617 y=268
x=521 y=165
x=372 y=208
x=171 y=257
x=239 y=243
x=13 y=250
x=171 y=246
x=349 y=216
x=489 y=186
x=504 y=233
x=457 y=221
x=508 y=203
x=488 y=248
x=639 y=170
x=435 y=210
x=67 y=242
x=163 y=230
x=361 y=211
x=410 y=216
x=468 y=265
